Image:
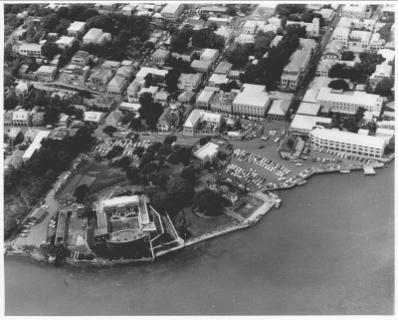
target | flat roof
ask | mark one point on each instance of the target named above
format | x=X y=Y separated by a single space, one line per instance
x=146 y=70
x=121 y=201
x=130 y=106
x=311 y=109
x=209 y=150
x=206 y=94
x=279 y=107
x=353 y=97
x=252 y=94
x=349 y=137
x=76 y=26
x=93 y=33
x=36 y=144
x=93 y=116
x=304 y=122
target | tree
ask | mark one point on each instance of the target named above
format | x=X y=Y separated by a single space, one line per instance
x=101 y=22
x=179 y=194
x=206 y=38
x=133 y=174
x=49 y=50
x=109 y=130
x=114 y=152
x=179 y=42
x=338 y=84
x=209 y=203
x=159 y=179
x=81 y=193
x=231 y=10
x=180 y=155
x=347 y=56
x=170 y=139
x=385 y=87
x=188 y=173
x=50 y=21
x=339 y=70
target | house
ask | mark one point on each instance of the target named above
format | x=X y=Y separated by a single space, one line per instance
x=217 y=79
x=376 y=43
x=151 y=90
x=203 y=100
x=226 y=33
x=207 y=152
x=93 y=116
x=221 y=102
x=360 y=11
x=158 y=75
x=358 y=41
x=113 y=119
x=312 y=28
x=368 y=147
x=209 y=55
x=223 y=68
x=99 y=79
x=76 y=29
x=244 y=38
x=303 y=124
x=189 y=81
x=22 y=88
x=333 y=50
x=35 y=145
x=186 y=97
x=201 y=122
x=127 y=106
x=168 y=119
x=327 y=14
x=21 y=117
x=65 y=42
x=117 y=85
x=172 y=11
x=96 y=36
x=46 y=73
x=30 y=50
x=296 y=70
x=132 y=90
x=80 y=58
x=252 y=101
x=341 y=34
x=278 y=110
x=383 y=70
x=38 y=118
x=161 y=97
x=276 y=41
x=160 y=56
x=202 y=66
x=15 y=135
x=252 y=26
x=74 y=74
x=348 y=102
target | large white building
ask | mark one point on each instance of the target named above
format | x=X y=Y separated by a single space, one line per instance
x=252 y=100
x=30 y=50
x=296 y=70
x=171 y=11
x=303 y=124
x=209 y=121
x=356 y=11
x=35 y=145
x=348 y=143
x=76 y=29
x=348 y=102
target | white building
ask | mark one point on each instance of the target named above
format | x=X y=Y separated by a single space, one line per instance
x=96 y=36
x=76 y=29
x=303 y=124
x=356 y=11
x=203 y=100
x=244 y=38
x=252 y=100
x=21 y=117
x=207 y=152
x=358 y=41
x=309 y=109
x=341 y=34
x=46 y=73
x=217 y=79
x=117 y=85
x=209 y=55
x=348 y=102
x=158 y=75
x=296 y=70
x=210 y=122
x=65 y=42
x=30 y=50
x=278 y=110
x=172 y=11
x=348 y=143
x=226 y=33
x=189 y=81
x=93 y=116
x=252 y=26
x=311 y=28
x=383 y=70
x=35 y=145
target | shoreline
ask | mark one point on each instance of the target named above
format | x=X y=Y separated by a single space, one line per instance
x=268 y=204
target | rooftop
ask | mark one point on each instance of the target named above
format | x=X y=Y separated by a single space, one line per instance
x=279 y=107
x=353 y=97
x=311 y=109
x=36 y=144
x=307 y=123
x=76 y=26
x=252 y=94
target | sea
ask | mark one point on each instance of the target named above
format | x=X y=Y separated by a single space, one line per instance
x=328 y=250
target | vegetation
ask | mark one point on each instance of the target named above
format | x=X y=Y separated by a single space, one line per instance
x=347 y=56
x=385 y=87
x=338 y=84
x=343 y=71
x=209 y=203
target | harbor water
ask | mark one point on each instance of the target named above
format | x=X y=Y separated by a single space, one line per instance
x=329 y=249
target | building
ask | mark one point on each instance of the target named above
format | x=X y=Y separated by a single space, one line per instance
x=209 y=55
x=217 y=79
x=303 y=124
x=65 y=42
x=203 y=100
x=96 y=36
x=201 y=122
x=46 y=73
x=30 y=50
x=296 y=70
x=207 y=152
x=327 y=14
x=21 y=117
x=252 y=26
x=341 y=34
x=325 y=65
x=172 y=11
x=369 y=147
x=38 y=118
x=169 y=119
x=278 y=110
x=333 y=50
x=127 y=106
x=221 y=102
x=22 y=88
x=74 y=74
x=311 y=28
x=252 y=100
x=219 y=21
x=76 y=29
x=160 y=56
x=35 y=145
x=158 y=75
x=360 y=11
x=133 y=89
x=117 y=85
x=80 y=58
x=189 y=81
x=64 y=120
x=99 y=79
x=162 y=97
x=93 y=116
x=383 y=70
x=376 y=43
x=244 y=38
x=202 y=66
x=358 y=40
x=226 y=33
x=348 y=102
x=223 y=68
x=309 y=109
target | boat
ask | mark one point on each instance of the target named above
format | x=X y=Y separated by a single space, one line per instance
x=369 y=171
x=345 y=171
x=301 y=182
x=278 y=203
